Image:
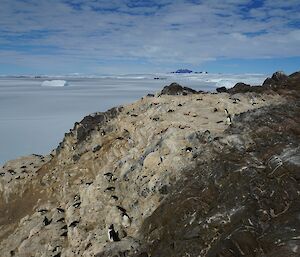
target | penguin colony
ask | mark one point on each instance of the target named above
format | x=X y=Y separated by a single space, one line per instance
x=112 y=234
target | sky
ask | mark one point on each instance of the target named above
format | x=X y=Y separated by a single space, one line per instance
x=126 y=36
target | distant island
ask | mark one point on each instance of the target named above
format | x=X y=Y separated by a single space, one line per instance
x=180 y=71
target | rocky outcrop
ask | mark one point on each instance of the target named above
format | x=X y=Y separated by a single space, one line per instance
x=176 y=174
x=221 y=89
x=239 y=88
x=176 y=89
x=277 y=79
x=279 y=83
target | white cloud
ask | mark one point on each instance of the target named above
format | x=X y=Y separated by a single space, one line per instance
x=164 y=32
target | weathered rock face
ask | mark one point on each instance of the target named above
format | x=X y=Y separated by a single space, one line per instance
x=173 y=174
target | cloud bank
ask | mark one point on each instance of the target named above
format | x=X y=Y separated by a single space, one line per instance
x=100 y=36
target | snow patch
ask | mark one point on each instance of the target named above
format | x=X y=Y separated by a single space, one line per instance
x=54 y=83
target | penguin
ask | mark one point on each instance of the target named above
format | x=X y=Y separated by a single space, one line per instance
x=188 y=149
x=56 y=248
x=108 y=175
x=76 y=205
x=12 y=172
x=61 y=220
x=64 y=227
x=60 y=210
x=46 y=221
x=110 y=189
x=121 y=209
x=64 y=234
x=228 y=119
x=57 y=255
x=115 y=197
x=126 y=221
x=43 y=211
x=74 y=223
x=113 y=236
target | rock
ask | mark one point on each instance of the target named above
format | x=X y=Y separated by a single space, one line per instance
x=174 y=179
x=176 y=89
x=221 y=89
x=239 y=88
x=277 y=78
x=212 y=219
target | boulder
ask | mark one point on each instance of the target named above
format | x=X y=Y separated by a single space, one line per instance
x=221 y=89
x=176 y=89
x=239 y=88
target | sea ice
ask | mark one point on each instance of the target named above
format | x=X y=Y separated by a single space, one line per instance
x=54 y=83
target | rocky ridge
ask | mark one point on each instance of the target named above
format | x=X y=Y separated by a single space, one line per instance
x=180 y=173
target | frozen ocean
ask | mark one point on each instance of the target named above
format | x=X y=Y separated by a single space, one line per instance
x=34 y=114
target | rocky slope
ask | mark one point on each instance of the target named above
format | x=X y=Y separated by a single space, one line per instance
x=180 y=173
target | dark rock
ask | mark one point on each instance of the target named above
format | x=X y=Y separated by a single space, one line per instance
x=239 y=88
x=163 y=190
x=221 y=89
x=90 y=123
x=176 y=89
x=279 y=82
x=277 y=78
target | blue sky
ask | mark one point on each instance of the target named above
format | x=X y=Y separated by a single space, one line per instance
x=126 y=36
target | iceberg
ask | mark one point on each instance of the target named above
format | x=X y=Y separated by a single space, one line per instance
x=54 y=83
